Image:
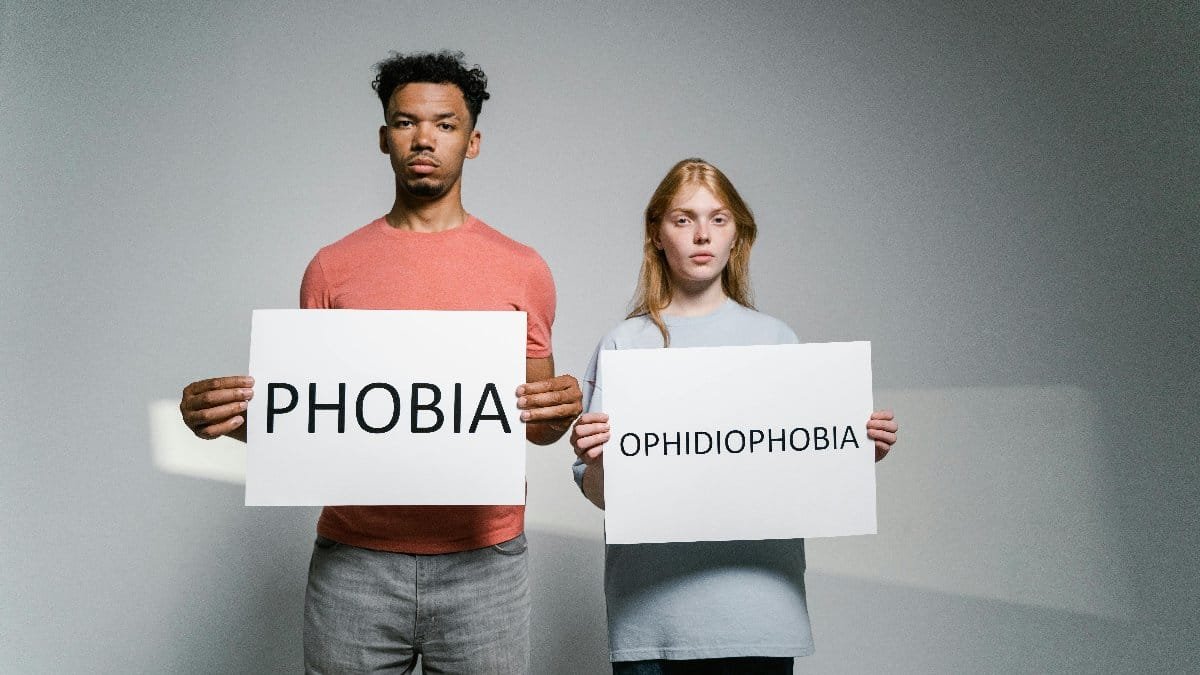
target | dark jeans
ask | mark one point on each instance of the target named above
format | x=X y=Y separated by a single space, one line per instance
x=753 y=665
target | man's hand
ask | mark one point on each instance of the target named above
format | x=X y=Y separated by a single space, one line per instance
x=548 y=407
x=217 y=406
x=882 y=428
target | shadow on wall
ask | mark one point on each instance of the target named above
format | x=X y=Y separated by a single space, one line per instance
x=866 y=627
x=996 y=493
x=569 y=629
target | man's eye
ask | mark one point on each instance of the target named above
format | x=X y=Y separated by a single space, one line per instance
x=404 y=124
x=446 y=126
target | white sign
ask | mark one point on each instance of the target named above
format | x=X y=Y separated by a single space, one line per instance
x=728 y=443
x=385 y=407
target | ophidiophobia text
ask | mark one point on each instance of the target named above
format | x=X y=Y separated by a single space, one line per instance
x=737 y=441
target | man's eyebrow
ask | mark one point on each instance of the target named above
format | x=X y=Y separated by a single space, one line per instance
x=440 y=116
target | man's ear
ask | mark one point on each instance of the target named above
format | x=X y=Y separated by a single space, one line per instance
x=473 y=144
x=383 y=142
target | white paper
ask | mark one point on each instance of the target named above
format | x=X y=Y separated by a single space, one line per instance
x=777 y=489
x=292 y=466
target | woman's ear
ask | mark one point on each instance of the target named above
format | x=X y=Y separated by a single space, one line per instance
x=655 y=240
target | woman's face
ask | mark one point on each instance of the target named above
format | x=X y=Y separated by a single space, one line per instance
x=696 y=234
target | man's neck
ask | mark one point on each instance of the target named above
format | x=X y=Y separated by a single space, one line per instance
x=439 y=215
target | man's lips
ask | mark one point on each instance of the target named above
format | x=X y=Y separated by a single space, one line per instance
x=422 y=165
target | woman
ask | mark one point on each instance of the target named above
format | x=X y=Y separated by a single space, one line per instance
x=698 y=607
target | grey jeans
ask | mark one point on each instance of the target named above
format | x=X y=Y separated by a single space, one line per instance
x=375 y=611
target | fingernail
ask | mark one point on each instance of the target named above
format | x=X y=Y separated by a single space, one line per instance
x=525 y=416
x=521 y=401
x=520 y=390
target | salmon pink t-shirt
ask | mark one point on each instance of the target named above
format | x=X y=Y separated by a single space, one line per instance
x=470 y=267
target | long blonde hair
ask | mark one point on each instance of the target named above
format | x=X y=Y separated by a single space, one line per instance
x=654 y=281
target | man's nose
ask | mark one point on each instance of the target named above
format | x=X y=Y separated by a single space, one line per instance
x=423 y=138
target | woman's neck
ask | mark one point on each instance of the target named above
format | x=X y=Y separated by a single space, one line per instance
x=695 y=301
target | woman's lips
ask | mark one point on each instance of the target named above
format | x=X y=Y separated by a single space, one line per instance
x=702 y=257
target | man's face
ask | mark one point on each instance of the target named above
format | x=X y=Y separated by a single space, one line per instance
x=428 y=135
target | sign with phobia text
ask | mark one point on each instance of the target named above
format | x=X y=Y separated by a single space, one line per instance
x=734 y=443
x=385 y=407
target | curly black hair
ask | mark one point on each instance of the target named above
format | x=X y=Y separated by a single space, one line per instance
x=444 y=67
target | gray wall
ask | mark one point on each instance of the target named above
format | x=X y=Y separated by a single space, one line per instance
x=1002 y=199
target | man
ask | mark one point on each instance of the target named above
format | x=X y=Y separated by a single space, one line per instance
x=447 y=582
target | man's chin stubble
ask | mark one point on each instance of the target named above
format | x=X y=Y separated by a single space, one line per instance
x=423 y=189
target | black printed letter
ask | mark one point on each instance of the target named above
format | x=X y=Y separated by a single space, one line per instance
x=358 y=408
x=416 y=406
x=490 y=390
x=313 y=407
x=272 y=411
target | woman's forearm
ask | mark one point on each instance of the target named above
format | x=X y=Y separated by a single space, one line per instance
x=593 y=484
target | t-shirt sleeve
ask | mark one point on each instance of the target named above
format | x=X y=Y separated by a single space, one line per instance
x=314 y=289
x=577 y=471
x=787 y=336
x=539 y=308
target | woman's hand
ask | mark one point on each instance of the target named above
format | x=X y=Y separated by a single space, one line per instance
x=589 y=436
x=881 y=428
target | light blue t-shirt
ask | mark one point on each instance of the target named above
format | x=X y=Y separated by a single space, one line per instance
x=702 y=600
